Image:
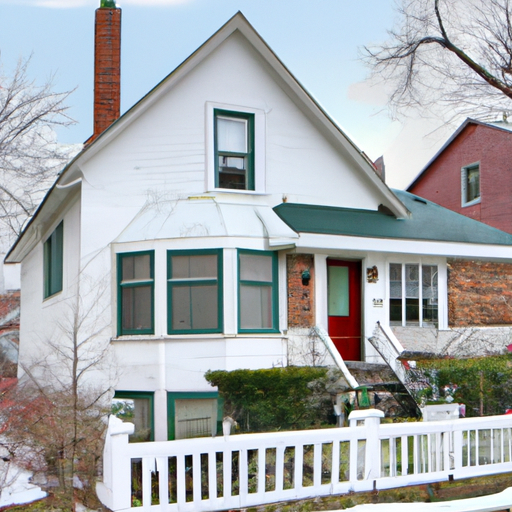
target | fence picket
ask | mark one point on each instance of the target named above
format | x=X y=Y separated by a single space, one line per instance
x=462 y=448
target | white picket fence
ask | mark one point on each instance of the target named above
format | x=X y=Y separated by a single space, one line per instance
x=210 y=474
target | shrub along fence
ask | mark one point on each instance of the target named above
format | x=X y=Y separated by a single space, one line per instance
x=210 y=474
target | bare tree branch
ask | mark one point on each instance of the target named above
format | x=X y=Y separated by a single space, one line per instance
x=448 y=57
x=29 y=154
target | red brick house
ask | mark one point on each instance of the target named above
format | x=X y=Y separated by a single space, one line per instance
x=472 y=173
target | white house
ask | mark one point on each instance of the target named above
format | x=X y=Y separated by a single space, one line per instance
x=217 y=221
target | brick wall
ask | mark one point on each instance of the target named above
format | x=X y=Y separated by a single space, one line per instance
x=479 y=293
x=441 y=182
x=301 y=311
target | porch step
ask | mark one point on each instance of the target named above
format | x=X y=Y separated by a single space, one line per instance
x=381 y=380
x=368 y=374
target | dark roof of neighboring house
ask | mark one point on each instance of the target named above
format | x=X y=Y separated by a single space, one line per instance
x=498 y=125
x=428 y=221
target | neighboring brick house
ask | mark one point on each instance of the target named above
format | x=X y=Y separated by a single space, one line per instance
x=472 y=173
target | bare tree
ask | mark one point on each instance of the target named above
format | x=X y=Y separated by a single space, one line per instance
x=53 y=421
x=448 y=57
x=29 y=154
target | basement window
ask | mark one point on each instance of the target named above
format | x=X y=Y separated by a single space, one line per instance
x=193 y=414
x=135 y=407
x=413 y=295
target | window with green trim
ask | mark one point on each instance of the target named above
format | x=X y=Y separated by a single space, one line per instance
x=135 y=407
x=53 y=261
x=135 y=292
x=234 y=150
x=193 y=414
x=194 y=291
x=257 y=291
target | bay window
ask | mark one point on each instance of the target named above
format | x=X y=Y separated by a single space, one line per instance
x=135 y=292
x=257 y=291
x=194 y=291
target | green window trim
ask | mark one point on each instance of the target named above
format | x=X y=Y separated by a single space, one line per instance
x=53 y=256
x=174 y=284
x=188 y=395
x=248 y=154
x=148 y=395
x=274 y=295
x=133 y=285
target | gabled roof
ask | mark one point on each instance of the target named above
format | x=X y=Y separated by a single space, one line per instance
x=237 y=23
x=498 y=125
x=428 y=221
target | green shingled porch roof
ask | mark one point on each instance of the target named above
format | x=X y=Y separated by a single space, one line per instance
x=428 y=221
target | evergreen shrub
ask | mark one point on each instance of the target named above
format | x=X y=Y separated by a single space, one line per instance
x=290 y=398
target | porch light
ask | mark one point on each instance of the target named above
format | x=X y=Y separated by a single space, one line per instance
x=306 y=276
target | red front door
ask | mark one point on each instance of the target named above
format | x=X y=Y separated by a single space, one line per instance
x=344 y=307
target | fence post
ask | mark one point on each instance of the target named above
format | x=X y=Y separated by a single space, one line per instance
x=371 y=419
x=115 y=490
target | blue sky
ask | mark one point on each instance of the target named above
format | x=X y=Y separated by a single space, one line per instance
x=318 y=41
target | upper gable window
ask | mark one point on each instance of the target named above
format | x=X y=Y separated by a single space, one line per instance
x=235 y=148
x=53 y=261
x=470 y=181
x=234 y=155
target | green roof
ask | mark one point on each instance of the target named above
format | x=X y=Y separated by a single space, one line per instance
x=428 y=221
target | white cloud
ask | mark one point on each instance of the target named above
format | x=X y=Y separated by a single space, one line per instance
x=368 y=92
x=417 y=142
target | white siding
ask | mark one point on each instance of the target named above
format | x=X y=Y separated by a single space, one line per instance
x=162 y=154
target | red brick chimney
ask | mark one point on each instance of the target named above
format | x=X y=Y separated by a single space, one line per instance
x=107 y=66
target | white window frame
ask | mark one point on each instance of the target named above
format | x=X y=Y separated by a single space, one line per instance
x=464 y=183
x=442 y=289
x=259 y=147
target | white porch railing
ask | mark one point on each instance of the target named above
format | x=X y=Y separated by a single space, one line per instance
x=210 y=474
x=333 y=351
x=387 y=345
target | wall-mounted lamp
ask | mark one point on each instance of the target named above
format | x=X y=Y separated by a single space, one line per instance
x=306 y=276
x=372 y=274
